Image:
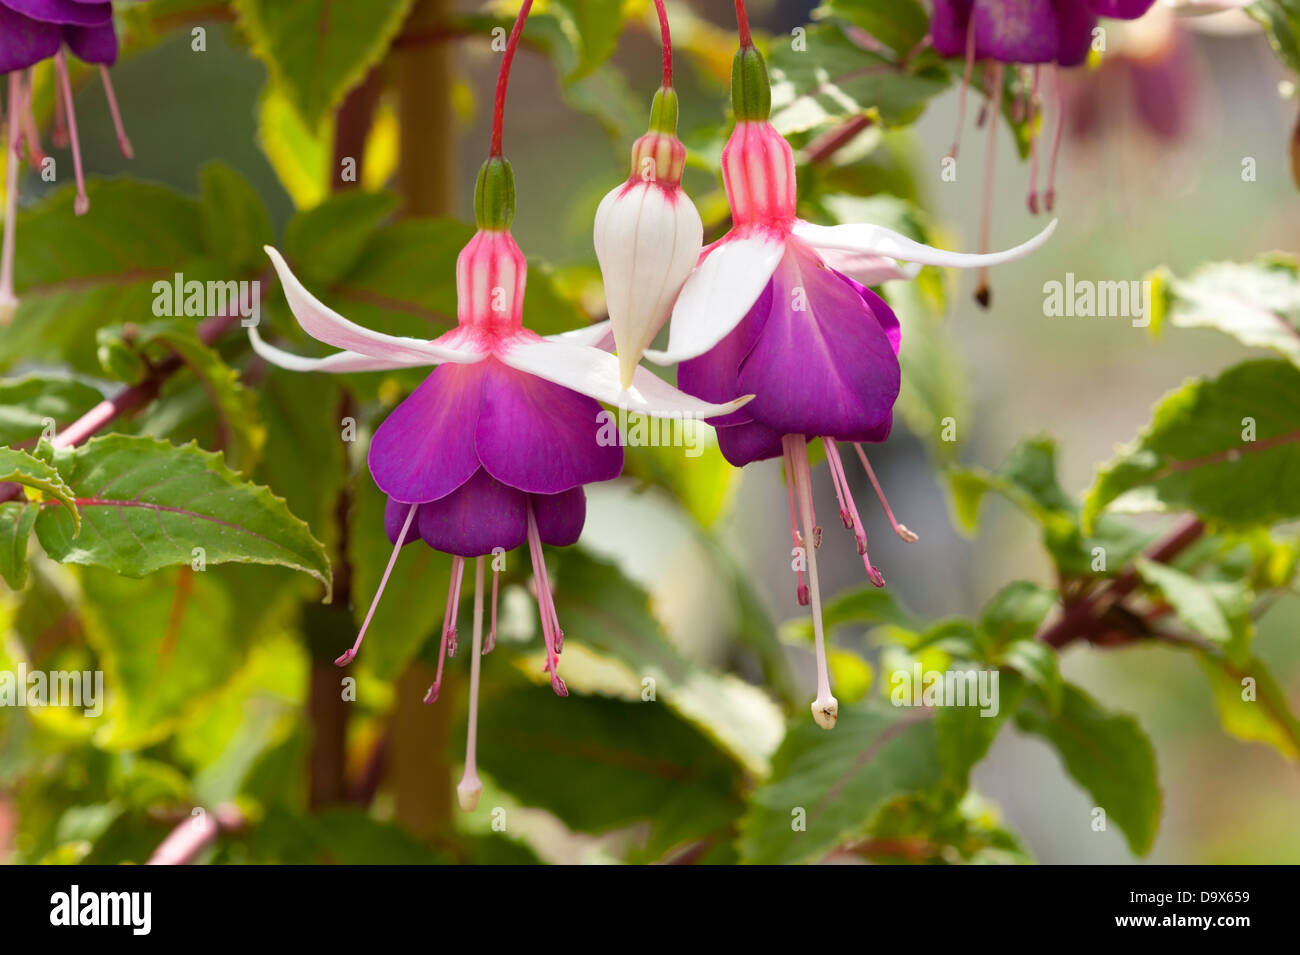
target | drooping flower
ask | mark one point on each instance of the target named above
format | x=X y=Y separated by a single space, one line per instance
x=32 y=31
x=779 y=307
x=1026 y=35
x=494 y=448
x=648 y=233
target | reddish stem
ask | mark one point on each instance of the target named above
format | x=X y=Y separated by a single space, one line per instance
x=503 y=77
x=742 y=25
x=667 y=44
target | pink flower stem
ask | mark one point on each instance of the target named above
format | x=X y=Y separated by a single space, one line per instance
x=503 y=77
x=667 y=43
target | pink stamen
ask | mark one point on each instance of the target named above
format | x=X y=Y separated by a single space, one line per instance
x=453 y=604
x=842 y=494
x=1050 y=197
x=82 y=204
x=966 y=86
x=825 y=709
x=349 y=655
x=899 y=529
x=1032 y=200
x=8 y=300
x=60 y=134
x=859 y=528
x=470 y=787
x=448 y=626
x=491 y=643
x=123 y=143
x=35 y=154
x=801 y=589
x=544 y=605
x=982 y=292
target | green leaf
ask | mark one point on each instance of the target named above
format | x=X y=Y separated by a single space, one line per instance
x=235 y=222
x=1038 y=664
x=1251 y=705
x=646 y=763
x=834 y=79
x=964 y=733
x=35 y=405
x=1257 y=303
x=1193 y=601
x=1028 y=480
x=1198 y=453
x=17 y=518
x=76 y=275
x=826 y=786
x=899 y=24
x=148 y=505
x=166 y=644
x=1108 y=755
x=324 y=242
x=592 y=27
x=238 y=424
x=19 y=467
x=318 y=50
x=1016 y=612
x=1281 y=21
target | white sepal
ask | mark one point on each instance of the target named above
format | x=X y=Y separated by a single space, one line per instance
x=648 y=237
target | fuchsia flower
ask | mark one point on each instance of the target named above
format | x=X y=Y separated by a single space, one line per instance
x=493 y=449
x=648 y=233
x=779 y=308
x=32 y=31
x=1057 y=33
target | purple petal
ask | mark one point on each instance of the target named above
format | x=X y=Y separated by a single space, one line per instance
x=1016 y=31
x=541 y=437
x=24 y=41
x=740 y=444
x=948 y=26
x=714 y=376
x=424 y=450
x=824 y=363
x=63 y=11
x=93 y=44
x=395 y=517
x=1120 y=9
x=1074 y=24
x=560 y=516
x=480 y=515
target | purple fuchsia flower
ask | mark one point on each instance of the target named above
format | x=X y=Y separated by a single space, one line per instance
x=493 y=449
x=32 y=31
x=1027 y=35
x=780 y=308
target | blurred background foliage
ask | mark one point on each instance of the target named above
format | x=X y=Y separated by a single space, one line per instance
x=222 y=697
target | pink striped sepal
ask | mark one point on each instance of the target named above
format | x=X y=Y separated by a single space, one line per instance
x=758 y=170
x=490 y=277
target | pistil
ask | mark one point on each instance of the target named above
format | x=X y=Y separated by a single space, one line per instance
x=796 y=539
x=470 y=787
x=8 y=300
x=825 y=708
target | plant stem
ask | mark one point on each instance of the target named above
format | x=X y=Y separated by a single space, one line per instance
x=666 y=39
x=503 y=78
x=419 y=747
x=1081 y=617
